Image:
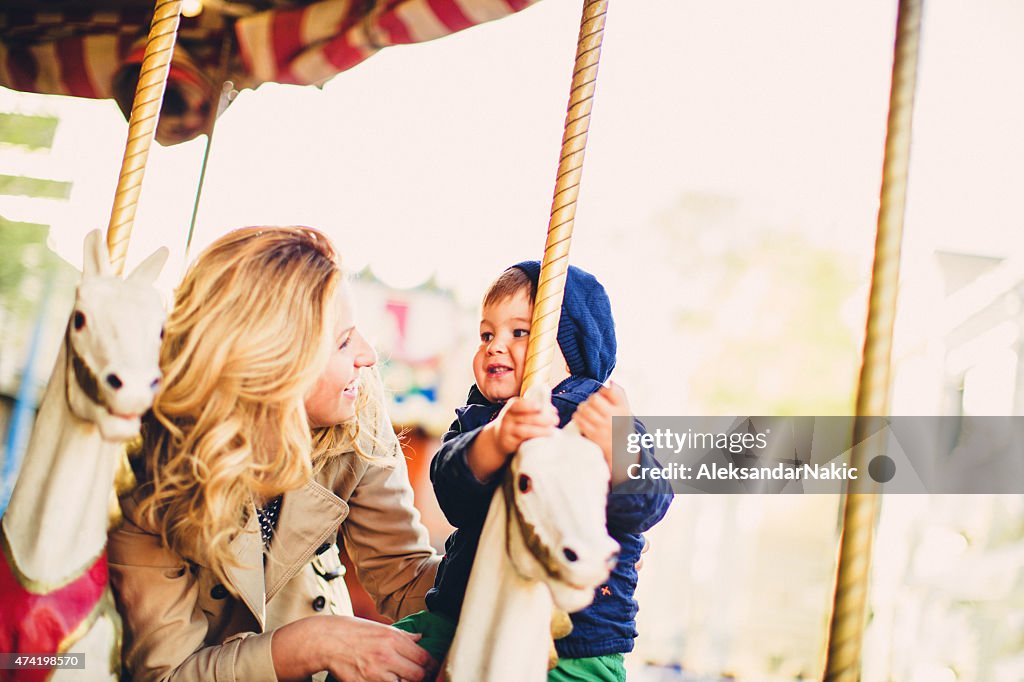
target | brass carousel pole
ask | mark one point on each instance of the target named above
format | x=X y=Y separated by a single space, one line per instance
x=149 y=94
x=846 y=630
x=555 y=264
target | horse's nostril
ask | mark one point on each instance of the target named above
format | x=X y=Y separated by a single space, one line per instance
x=569 y=554
x=114 y=381
x=155 y=383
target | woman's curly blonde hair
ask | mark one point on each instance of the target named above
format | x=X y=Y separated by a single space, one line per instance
x=246 y=340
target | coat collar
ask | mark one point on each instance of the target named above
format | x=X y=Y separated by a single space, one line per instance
x=309 y=517
x=247 y=577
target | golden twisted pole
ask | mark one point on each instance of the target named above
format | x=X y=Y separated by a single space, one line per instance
x=156 y=65
x=548 y=306
x=846 y=631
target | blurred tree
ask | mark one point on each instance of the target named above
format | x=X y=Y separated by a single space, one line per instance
x=33 y=132
x=22 y=246
x=764 y=307
x=27 y=265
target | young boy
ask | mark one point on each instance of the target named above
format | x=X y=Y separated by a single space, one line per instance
x=488 y=431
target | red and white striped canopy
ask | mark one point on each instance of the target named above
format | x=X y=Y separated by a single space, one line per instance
x=70 y=48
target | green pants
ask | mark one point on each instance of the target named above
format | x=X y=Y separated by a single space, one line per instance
x=438 y=632
x=608 y=668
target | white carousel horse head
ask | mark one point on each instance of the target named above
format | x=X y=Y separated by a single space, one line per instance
x=559 y=488
x=545 y=540
x=113 y=342
x=55 y=529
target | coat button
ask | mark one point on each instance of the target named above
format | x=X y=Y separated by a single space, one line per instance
x=323 y=548
x=219 y=591
x=319 y=603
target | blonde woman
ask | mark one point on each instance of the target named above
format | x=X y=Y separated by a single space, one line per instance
x=267 y=442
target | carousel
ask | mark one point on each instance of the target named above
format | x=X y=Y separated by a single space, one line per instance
x=173 y=85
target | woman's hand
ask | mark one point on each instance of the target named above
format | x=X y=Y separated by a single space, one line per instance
x=646 y=548
x=351 y=649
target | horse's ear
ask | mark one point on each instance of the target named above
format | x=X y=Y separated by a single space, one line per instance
x=148 y=270
x=95 y=261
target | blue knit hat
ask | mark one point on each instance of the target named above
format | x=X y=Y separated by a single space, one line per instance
x=586 y=330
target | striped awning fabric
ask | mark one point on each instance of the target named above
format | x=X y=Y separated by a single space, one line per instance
x=80 y=49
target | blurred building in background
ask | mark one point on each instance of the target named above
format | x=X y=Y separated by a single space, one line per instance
x=743 y=584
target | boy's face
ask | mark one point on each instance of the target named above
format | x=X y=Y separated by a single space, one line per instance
x=501 y=358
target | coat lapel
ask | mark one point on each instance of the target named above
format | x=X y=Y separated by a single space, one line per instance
x=309 y=517
x=247 y=578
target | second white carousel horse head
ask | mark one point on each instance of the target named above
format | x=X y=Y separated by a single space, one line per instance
x=113 y=342
x=557 y=494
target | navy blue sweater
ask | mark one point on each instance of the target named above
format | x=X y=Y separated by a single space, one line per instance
x=605 y=627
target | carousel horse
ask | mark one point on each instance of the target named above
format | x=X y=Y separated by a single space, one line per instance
x=544 y=543
x=53 y=575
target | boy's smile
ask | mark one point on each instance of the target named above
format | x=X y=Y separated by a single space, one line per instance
x=501 y=358
x=498 y=369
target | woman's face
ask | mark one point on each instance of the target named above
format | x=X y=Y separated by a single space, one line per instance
x=332 y=399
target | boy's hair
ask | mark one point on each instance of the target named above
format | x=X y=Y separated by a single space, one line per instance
x=510 y=283
x=586 y=330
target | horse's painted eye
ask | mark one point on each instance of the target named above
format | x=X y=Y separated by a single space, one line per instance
x=525 y=484
x=79 y=320
x=161 y=333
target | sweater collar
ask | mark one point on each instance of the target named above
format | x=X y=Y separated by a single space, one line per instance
x=476 y=397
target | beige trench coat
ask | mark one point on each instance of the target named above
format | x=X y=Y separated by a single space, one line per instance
x=181 y=624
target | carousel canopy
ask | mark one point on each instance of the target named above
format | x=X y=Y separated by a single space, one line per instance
x=95 y=49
